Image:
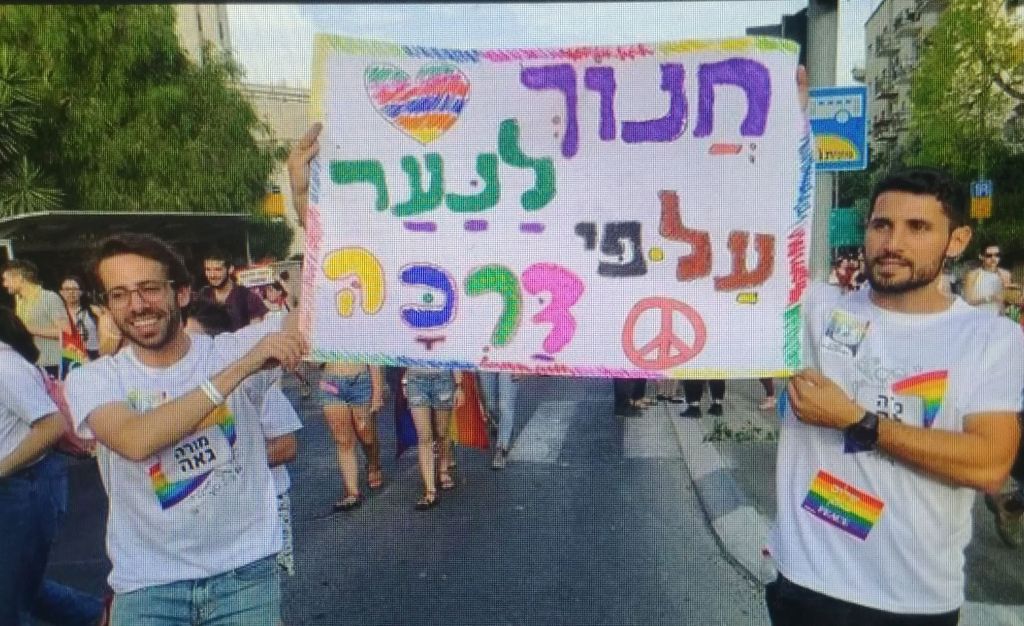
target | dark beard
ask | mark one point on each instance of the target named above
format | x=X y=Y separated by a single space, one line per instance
x=919 y=278
x=174 y=323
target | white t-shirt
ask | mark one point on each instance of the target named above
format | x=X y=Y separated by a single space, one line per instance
x=987 y=285
x=861 y=526
x=196 y=509
x=23 y=399
x=278 y=418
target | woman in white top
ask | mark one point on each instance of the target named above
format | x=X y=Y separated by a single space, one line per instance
x=33 y=488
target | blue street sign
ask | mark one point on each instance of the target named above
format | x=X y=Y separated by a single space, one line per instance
x=839 y=123
x=981 y=188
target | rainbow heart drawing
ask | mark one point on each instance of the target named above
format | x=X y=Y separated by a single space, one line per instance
x=424 y=107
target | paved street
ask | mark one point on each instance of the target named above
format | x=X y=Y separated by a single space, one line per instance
x=593 y=522
x=596 y=520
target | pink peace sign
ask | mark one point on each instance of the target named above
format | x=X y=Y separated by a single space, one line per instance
x=666 y=349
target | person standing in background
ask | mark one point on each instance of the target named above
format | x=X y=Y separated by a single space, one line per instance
x=41 y=310
x=984 y=285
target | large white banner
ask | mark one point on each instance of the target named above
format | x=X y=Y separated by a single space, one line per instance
x=637 y=211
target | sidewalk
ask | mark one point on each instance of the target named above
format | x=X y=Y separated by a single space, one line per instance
x=732 y=459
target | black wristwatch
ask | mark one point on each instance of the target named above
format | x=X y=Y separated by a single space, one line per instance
x=863 y=435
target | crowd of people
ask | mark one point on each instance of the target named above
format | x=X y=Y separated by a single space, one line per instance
x=908 y=405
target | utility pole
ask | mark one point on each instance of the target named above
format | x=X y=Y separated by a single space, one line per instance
x=822 y=35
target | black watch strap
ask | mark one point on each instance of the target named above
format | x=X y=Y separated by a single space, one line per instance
x=863 y=435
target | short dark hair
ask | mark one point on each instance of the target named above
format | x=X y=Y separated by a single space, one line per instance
x=212 y=316
x=927 y=181
x=14 y=334
x=216 y=254
x=989 y=244
x=146 y=246
x=27 y=269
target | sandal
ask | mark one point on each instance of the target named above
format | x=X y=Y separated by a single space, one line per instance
x=374 y=478
x=348 y=503
x=444 y=478
x=428 y=501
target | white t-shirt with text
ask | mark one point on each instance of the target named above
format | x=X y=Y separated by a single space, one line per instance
x=862 y=526
x=201 y=507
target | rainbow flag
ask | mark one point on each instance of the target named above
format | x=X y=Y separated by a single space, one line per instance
x=930 y=387
x=72 y=352
x=170 y=493
x=843 y=506
x=468 y=426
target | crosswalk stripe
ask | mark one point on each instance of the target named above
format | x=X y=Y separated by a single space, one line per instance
x=544 y=435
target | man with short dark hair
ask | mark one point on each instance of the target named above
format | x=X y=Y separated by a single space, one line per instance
x=42 y=311
x=907 y=407
x=244 y=306
x=182 y=453
x=985 y=285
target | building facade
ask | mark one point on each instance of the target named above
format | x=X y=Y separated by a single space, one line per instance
x=895 y=35
x=201 y=24
x=282 y=109
x=285 y=111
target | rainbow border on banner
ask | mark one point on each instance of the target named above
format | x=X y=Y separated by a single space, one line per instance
x=798 y=239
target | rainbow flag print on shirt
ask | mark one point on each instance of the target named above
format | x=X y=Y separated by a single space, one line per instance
x=168 y=493
x=930 y=387
x=843 y=506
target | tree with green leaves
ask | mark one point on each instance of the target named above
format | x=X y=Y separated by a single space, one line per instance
x=966 y=89
x=23 y=186
x=128 y=122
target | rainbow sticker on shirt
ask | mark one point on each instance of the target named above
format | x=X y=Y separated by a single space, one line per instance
x=843 y=506
x=930 y=387
x=170 y=493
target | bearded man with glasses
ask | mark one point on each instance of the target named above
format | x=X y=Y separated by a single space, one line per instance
x=193 y=527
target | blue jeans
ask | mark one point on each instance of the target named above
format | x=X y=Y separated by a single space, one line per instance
x=435 y=390
x=31 y=501
x=499 y=393
x=246 y=596
x=353 y=390
x=62 y=605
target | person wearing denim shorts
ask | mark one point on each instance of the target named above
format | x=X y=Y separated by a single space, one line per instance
x=351 y=395
x=432 y=394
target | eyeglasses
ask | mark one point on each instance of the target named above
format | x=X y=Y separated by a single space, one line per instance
x=120 y=297
x=991 y=255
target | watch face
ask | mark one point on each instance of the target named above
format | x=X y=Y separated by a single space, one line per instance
x=862 y=436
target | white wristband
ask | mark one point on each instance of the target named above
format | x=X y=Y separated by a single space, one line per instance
x=211 y=392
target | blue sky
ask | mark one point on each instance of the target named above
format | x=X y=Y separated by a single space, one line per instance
x=274 y=42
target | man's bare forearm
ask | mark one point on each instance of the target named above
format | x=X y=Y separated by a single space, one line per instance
x=137 y=436
x=979 y=458
x=44 y=433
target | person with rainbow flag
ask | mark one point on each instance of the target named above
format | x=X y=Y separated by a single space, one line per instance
x=908 y=405
x=182 y=454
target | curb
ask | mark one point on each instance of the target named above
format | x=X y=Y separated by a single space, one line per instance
x=742 y=532
x=738 y=527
